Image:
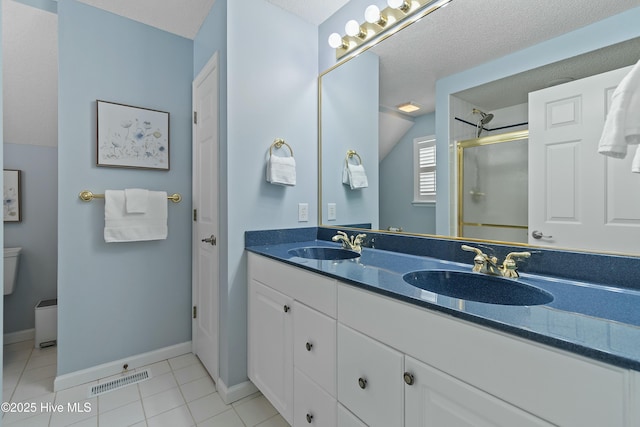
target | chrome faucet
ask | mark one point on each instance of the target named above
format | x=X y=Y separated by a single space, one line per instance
x=483 y=263
x=351 y=243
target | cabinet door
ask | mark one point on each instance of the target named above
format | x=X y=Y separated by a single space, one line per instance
x=312 y=406
x=435 y=399
x=314 y=346
x=270 y=350
x=347 y=419
x=370 y=379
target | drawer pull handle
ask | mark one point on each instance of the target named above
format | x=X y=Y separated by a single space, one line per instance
x=362 y=383
x=408 y=378
x=286 y=309
x=309 y=346
x=309 y=418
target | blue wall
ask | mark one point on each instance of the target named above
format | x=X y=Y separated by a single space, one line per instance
x=350 y=96
x=396 y=184
x=36 y=234
x=270 y=73
x=612 y=30
x=119 y=299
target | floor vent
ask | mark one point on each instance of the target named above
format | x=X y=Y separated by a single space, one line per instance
x=118 y=383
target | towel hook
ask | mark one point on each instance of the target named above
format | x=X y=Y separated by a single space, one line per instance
x=278 y=143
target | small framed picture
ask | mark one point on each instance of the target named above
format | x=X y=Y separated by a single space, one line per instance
x=132 y=137
x=12 y=197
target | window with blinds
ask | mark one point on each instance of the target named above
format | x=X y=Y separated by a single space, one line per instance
x=424 y=160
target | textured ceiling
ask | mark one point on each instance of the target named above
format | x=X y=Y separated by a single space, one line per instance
x=468 y=33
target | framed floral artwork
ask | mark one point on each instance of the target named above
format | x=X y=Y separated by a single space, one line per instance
x=132 y=137
x=12 y=197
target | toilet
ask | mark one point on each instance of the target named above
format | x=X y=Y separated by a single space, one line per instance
x=11 y=258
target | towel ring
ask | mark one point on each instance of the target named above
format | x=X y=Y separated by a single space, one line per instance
x=350 y=154
x=278 y=143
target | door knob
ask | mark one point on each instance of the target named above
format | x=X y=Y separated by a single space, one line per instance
x=211 y=239
x=538 y=235
x=362 y=382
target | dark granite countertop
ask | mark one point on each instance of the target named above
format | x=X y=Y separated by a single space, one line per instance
x=593 y=320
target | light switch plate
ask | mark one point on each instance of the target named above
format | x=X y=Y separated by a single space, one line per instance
x=303 y=212
x=331 y=211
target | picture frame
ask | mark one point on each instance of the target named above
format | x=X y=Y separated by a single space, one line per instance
x=12 y=205
x=132 y=137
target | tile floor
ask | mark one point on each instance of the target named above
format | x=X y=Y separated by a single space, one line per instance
x=179 y=393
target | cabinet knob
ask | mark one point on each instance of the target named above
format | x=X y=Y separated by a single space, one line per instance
x=408 y=378
x=286 y=309
x=309 y=346
x=362 y=383
x=309 y=418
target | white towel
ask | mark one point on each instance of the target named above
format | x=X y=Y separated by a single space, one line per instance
x=622 y=126
x=355 y=176
x=136 y=200
x=120 y=226
x=635 y=165
x=281 y=170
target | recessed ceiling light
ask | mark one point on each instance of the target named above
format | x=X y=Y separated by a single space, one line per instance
x=409 y=107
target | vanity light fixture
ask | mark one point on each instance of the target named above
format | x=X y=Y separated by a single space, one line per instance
x=381 y=24
x=408 y=107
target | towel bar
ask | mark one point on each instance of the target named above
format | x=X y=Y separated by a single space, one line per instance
x=87 y=196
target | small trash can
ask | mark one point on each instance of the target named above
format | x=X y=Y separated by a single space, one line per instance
x=46 y=323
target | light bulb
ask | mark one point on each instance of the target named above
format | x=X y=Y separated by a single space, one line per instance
x=403 y=5
x=335 y=41
x=352 y=28
x=373 y=16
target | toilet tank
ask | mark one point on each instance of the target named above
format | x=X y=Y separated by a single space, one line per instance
x=11 y=258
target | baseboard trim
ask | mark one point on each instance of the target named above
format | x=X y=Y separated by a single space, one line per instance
x=18 y=336
x=112 y=368
x=236 y=392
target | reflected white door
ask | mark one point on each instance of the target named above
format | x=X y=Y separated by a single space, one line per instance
x=579 y=198
x=205 y=228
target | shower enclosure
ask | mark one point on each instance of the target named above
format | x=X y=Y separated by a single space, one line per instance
x=493 y=187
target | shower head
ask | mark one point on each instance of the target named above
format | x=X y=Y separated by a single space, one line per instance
x=486 y=118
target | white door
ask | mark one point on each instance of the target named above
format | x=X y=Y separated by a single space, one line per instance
x=579 y=198
x=435 y=399
x=205 y=228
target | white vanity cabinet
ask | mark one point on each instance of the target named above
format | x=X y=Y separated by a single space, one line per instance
x=332 y=354
x=292 y=341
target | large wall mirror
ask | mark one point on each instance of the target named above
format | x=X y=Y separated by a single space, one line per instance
x=470 y=67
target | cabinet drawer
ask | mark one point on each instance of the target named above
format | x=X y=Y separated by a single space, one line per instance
x=347 y=419
x=312 y=289
x=314 y=346
x=370 y=382
x=312 y=406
